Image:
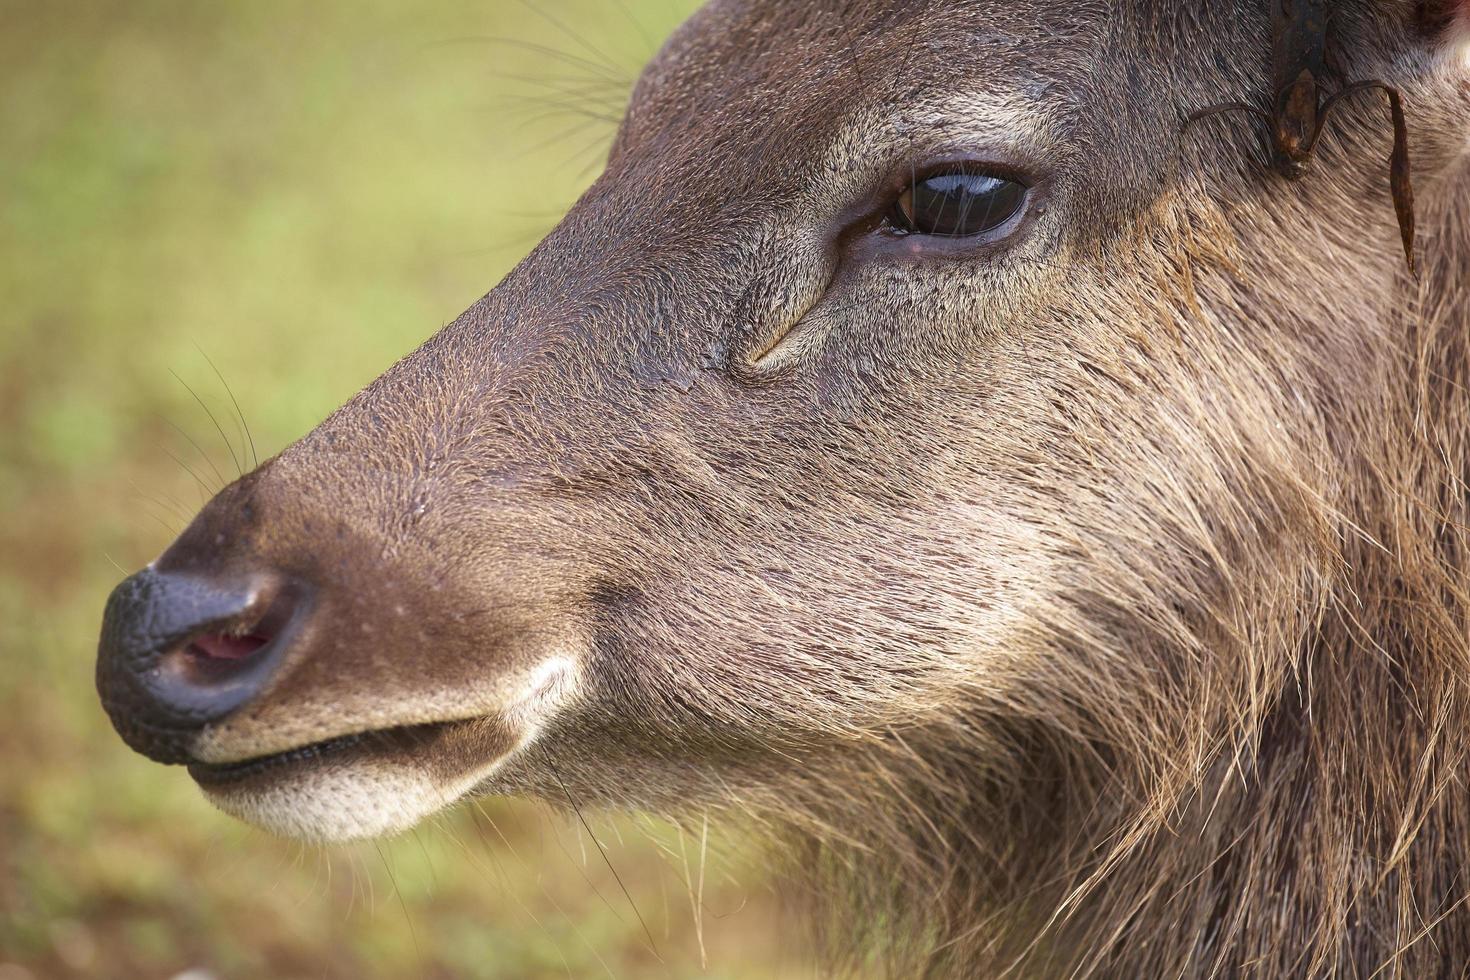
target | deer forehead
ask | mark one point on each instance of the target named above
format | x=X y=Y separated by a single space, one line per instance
x=864 y=74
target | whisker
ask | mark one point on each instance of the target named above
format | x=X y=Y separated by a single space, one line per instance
x=598 y=161
x=428 y=860
x=172 y=511
x=649 y=44
x=217 y=427
x=581 y=867
x=576 y=38
x=589 y=109
x=556 y=54
x=699 y=921
x=173 y=529
x=402 y=904
x=204 y=487
x=546 y=144
x=545 y=892
x=564 y=83
x=652 y=946
x=249 y=439
x=198 y=449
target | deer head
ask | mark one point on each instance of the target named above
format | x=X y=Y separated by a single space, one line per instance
x=910 y=435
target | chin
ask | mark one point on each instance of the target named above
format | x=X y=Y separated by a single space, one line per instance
x=362 y=786
x=334 y=803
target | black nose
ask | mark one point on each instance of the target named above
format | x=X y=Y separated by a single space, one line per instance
x=180 y=651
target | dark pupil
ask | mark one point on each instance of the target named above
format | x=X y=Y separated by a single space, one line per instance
x=960 y=205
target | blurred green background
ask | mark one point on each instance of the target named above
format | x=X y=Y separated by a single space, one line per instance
x=298 y=193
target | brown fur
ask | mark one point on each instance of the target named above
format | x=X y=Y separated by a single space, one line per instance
x=1092 y=607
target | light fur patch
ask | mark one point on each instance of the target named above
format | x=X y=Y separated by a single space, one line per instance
x=344 y=801
x=341 y=803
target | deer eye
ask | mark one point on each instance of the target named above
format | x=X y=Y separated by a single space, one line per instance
x=957 y=204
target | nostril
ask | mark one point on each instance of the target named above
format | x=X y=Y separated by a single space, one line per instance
x=214 y=663
x=179 y=652
x=214 y=658
x=224 y=648
x=228 y=650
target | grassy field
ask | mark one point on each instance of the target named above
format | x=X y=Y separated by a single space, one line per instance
x=297 y=193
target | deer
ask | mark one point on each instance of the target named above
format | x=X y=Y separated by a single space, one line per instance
x=1051 y=523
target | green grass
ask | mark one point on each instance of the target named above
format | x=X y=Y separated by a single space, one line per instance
x=301 y=193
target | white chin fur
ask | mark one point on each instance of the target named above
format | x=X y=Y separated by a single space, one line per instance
x=338 y=803
x=375 y=797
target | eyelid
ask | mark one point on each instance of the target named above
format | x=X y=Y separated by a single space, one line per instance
x=978 y=164
x=871 y=212
x=852 y=237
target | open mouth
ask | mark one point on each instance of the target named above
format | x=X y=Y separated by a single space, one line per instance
x=341 y=748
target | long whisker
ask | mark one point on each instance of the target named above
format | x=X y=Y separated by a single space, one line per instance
x=173 y=531
x=649 y=44
x=166 y=502
x=578 y=39
x=204 y=487
x=249 y=439
x=198 y=449
x=614 y=75
x=546 y=893
x=402 y=903
x=652 y=946
x=560 y=137
x=217 y=427
x=584 y=108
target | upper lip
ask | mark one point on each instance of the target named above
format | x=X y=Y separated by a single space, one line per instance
x=403 y=737
x=216 y=772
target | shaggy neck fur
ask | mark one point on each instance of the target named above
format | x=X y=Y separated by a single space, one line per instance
x=1298 y=808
